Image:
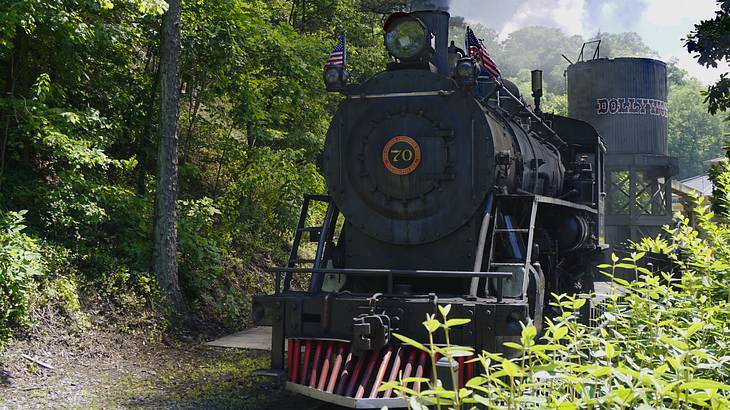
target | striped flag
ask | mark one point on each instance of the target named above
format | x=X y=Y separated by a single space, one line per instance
x=479 y=52
x=338 y=57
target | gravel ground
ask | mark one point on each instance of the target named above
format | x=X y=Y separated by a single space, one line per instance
x=97 y=369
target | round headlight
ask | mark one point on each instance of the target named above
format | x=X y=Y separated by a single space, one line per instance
x=335 y=78
x=332 y=75
x=407 y=39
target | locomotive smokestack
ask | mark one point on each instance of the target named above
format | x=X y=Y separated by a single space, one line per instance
x=430 y=5
x=435 y=14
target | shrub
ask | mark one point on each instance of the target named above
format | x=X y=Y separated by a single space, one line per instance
x=262 y=206
x=20 y=262
x=200 y=246
x=645 y=352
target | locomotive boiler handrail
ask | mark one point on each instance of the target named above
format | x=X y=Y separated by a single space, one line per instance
x=396 y=95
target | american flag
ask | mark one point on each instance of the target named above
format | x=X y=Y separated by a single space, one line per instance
x=479 y=52
x=338 y=56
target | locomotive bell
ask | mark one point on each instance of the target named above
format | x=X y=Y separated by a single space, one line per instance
x=466 y=72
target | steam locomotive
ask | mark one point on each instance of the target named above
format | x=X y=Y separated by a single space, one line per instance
x=445 y=187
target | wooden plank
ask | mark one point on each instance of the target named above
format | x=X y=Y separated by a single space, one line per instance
x=258 y=338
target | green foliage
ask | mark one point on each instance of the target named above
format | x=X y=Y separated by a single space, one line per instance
x=708 y=42
x=720 y=175
x=660 y=341
x=545 y=47
x=627 y=44
x=58 y=289
x=20 y=264
x=201 y=249
x=259 y=203
x=78 y=125
x=694 y=136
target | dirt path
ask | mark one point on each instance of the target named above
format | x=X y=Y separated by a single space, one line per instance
x=95 y=369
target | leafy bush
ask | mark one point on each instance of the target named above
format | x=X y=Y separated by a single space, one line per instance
x=261 y=208
x=720 y=176
x=20 y=262
x=644 y=352
x=658 y=341
x=200 y=245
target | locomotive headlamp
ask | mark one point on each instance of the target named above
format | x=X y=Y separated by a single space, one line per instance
x=335 y=78
x=466 y=72
x=406 y=37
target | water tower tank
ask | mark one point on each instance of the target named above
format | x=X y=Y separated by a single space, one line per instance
x=625 y=99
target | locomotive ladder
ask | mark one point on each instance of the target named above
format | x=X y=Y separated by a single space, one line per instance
x=514 y=233
x=323 y=234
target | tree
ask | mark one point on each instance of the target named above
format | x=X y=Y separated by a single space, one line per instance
x=539 y=48
x=167 y=177
x=709 y=43
x=694 y=135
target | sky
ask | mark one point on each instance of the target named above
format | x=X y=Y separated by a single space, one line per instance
x=663 y=24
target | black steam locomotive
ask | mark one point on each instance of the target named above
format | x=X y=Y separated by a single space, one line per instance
x=444 y=188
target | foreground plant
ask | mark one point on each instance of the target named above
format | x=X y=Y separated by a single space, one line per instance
x=661 y=340
x=637 y=356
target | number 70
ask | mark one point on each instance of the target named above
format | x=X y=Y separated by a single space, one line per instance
x=401 y=155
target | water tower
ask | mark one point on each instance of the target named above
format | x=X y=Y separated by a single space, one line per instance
x=625 y=99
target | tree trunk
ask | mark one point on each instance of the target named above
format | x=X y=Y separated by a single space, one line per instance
x=166 y=195
x=15 y=64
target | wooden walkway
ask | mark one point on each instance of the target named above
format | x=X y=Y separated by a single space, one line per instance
x=258 y=338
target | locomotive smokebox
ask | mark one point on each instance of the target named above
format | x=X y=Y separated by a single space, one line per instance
x=625 y=99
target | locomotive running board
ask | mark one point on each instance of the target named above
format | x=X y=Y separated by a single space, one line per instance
x=351 y=402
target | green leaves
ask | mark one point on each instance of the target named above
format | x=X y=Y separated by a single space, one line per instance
x=411 y=342
x=456 y=322
x=444 y=310
x=704 y=384
x=678 y=344
x=431 y=325
x=20 y=265
x=694 y=328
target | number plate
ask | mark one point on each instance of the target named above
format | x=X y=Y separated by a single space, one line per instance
x=401 y=155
